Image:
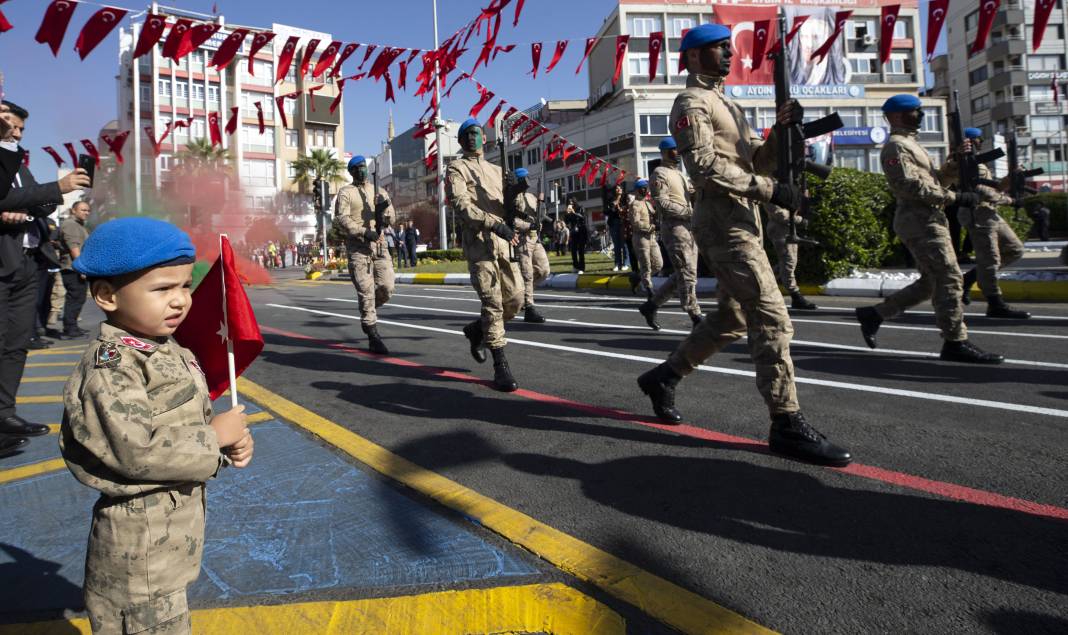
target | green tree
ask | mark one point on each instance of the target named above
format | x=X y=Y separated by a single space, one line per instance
x=201 y=156
x=320 y=164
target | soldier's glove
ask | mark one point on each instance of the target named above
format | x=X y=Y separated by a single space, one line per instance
x=786 y=196
x=381 y=206
x=504 y=231
x=968 y=199
x=370 y=235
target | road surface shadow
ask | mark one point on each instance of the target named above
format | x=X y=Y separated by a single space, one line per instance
x=859 y=365
x=32 y=577
x=1009 y=621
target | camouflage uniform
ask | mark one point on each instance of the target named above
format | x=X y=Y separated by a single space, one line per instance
x=920 y=222
x=370 y=264
x=672 y=193
x=533 y=261
x=474 y=188
x=996 y=245
x=727 y=162
x=643 y=236
x=136 y=428
x=778 y=231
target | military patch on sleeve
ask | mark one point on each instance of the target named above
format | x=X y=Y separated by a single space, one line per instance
x=135 y=343
x=683 y=122
x=894 y=161
x=108 y=356
x=195 y=365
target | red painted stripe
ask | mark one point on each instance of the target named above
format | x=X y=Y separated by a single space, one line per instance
x=900 y=479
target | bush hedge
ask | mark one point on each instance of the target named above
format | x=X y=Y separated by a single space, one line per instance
x=1057 y=202
x=442 y=254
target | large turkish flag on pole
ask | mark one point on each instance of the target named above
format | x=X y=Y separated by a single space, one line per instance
x=743 y=22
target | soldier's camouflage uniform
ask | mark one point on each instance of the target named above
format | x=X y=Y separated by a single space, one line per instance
x=136 y=428
x=728 y=163
x=370 y=264
x=643 y=239
x=778 y=230
x=533 y=261
x=996 y=245
x=672 y=193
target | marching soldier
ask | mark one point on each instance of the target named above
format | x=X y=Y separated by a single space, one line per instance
x=996 y=245
x=370 y=265
x=920 y=222
x=728 y=163
x=476 y=192
x=672 y=195
x=643 y=236
x=786 y=252
x=533 y=261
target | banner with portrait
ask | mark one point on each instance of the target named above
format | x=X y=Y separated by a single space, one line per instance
x=805 y=71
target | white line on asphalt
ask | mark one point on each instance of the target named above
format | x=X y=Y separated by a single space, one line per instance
x=999 y=405
x=792 y=318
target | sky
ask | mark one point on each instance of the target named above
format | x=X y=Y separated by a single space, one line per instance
x=70 y=99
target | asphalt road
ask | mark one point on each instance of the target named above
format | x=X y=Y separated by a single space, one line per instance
x=954 y=519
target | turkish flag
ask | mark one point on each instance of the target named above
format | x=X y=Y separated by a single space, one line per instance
x=97 y=28
x=259 y=41
x=936 y=17
x=485 y=95
x=389 y=88
x=259 y=116
x=173 y=44
x=340 y=91
x=305 y=61
x=840 y=19
x=561 y=46
x=157 y=146
x=590 y=43
x=886 y=35
x=1042 y=10
x=55 y=155
x=5 y=25
x=535 y=58
x=54 y=25
x=568 y=151
x=794 y=28
x=90 y=148
x=656 y=44
x=745 y=42
x=382 y=62
x=585 y=167
x=116 y=143
x=72 y=152
x=346 y=53
x=493 y=115
x=518 y=10
x=987 y=10
x=231 y=124
x=621 y=54
x=221 y=314
x=366 y=56
x=761 y=34
x=196 y=36
x=213 y=128
x=229 y=48
x=151 y=32
x=285 y=58
x=326 y=59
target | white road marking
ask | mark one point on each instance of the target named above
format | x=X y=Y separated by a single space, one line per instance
x=915 y=394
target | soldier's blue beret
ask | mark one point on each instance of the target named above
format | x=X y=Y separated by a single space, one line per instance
x=467 y=124
x=357 y=160
x=972 y=133
x=521 y=173
x=704 y=35
x=668 y=143
x=640 y=183
x=901 y=103
x=130 y=244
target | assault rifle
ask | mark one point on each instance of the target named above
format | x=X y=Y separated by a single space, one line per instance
x=509 y=188
x=792 y=163
x=968 y=162
x=1018 y=187
x=380 y=210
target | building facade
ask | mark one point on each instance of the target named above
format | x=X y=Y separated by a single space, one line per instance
x=161 y=91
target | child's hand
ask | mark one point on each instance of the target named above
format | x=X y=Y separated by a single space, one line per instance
x=230 y=426
x=240 y=453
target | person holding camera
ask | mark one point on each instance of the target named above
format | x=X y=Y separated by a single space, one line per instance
x=579 y=234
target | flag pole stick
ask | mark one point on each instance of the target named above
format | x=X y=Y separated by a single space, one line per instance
x=226 y=329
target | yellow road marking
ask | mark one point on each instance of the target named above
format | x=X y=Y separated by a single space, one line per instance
x=39 y=399
x=653 y=595
x=33 y=469
x=58 y=351
x=257 y=417
x=538 y=608
x=49 y=364
x=53 y=428
x=72 y=347
x=42 y=380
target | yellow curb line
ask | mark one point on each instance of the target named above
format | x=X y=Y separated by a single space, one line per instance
x=50 y=364
x=538 y=608
x=45 y=380
x=57 y=351
x=1019 y=291
x=428 y=278
x=653 y=595
x=39 y=399
x=33 y=469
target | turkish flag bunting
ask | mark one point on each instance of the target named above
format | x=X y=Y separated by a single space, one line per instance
x=604 y=176
x=90 y=149
x=585 y=167
x=116 y=143
x=535 y=58
x=346 y=53
x=229 y=48
x=619 y=178
x=502 y=49
x=886 y=34
x=231 y=124
x=520 y=120
x=402 y=75
x=311 y=90
x=259 y=116
x=97 y=28
x=4 y=24
x=621 y=53
x=531 y=126
x=425 y=129
x=326 y=59
x=72 y=152
x=936 y=17
x=556 y=146
x=259 y=41
x=197 y=36
x=157 y=146
x=367 y=55
x=493 y=115
x=389 y=88
x=590 y=43
x=340 y=91
x=221 y=313
x=1042 y=10
x=173 y=44
x=790 y=35
x=591 y=176
x=285 y=58
x=305 y=61
x=518 y=10
x=761 y=34
x=213 y=128
x=561 y=46
x=840 y=19
x=987 y=10
x=55 y=155
x=151 y=32
x=384 y=59
x=54 y=25
x=280 y=103
x=656 y=44
x=485 y=95
x=682 y=56
x=483 y=57
x=568 y=151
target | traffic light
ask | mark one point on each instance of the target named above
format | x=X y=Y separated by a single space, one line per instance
x=317 y=195
x=322 y=197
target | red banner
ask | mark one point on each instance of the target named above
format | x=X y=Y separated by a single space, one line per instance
x=151 y=32
x=231 y=125
x=535 y=58
x=73 y=154
x=90 y=148
x=116 y=143
x=259 y=41
x=173 y=44
x=285 y=58
x=55 y=155
x=936 y=17
x=590 y=43
x=1042 y=10
x=96 y=29
x=621 y=54
x=840 y=19
x=213 y=128
x=305 y=61
x=561 y=46
x=656 y=44
x=259 y=117
x=346 y=53
x=743 y=22
x=54 y=24
x=987 y=10
x=888 y=19
x=229 y=48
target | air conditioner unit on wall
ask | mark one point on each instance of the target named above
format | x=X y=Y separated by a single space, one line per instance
x=868 y=40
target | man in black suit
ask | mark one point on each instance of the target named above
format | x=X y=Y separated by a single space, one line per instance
x=23 y=243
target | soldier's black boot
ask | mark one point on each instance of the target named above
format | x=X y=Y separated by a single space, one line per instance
x=648 y=311
x=696 y=319
x=659 y=383
x=969 y=282
x=793 y=437
x=869 y=320
x=996 y=308
x=968 y=353
x=502 y=375
x=374 y=340
x=530 y=314
x=635 y=280
x=798 y=301
x=473 y=332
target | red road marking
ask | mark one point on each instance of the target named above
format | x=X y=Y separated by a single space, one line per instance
x=900 y=479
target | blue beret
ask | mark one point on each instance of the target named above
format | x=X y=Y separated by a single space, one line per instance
x=704 y=35
x=357 y=160
x=901 y=103
x=972 y=133
x=130 y=244
x=641 y=183
x=467 y=124
x=521 y=173
x=667 y=143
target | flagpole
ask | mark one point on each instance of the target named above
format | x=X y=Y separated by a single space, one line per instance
x=230 y=364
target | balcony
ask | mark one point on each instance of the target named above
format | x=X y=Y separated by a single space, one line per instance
x=1008 y=46
x=1008 y=109
x=1011 y=13
x=1015 y=77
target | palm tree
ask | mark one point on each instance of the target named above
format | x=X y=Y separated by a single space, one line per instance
x=320 y=164
x=200 y=155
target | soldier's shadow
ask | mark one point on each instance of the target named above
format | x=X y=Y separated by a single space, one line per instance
x=30 y=577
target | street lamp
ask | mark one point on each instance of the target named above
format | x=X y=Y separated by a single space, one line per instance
x=439 y=123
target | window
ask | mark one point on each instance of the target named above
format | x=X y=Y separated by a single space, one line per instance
x=253 y=141
x=533 y=156
x=181 y=90
x=163 y=87
x=812 y=113
x=981 y=103
x=199 y=129
x=291 y=74
x=978 y=75
x=859 y=28
x=290 y=107
x=638 y=64
x=515 y=160
x=641 y=25
x=750 y=116
x=1043 y=125
x=196 y=61
x=901 y=65
x=876 y=118
x=264 y=73
x=146 y=94
x=166 y=161
x=856 y=158
x=765 y=118
x=213 y=93
x=1053 y=32
x=320 y=137
x=1045 y=62
x=852 y=117
x=291 y=170
x=292 y=138
x=971 y=21
x=679 y=23
x=932 y=119
x=901 y=29
x=653 y=124
x=257 y=172
x=198 y=91
x=673 y=61
x=874 y=163
x=862 y=64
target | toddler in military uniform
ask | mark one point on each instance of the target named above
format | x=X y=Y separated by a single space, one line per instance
x=138 y=427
